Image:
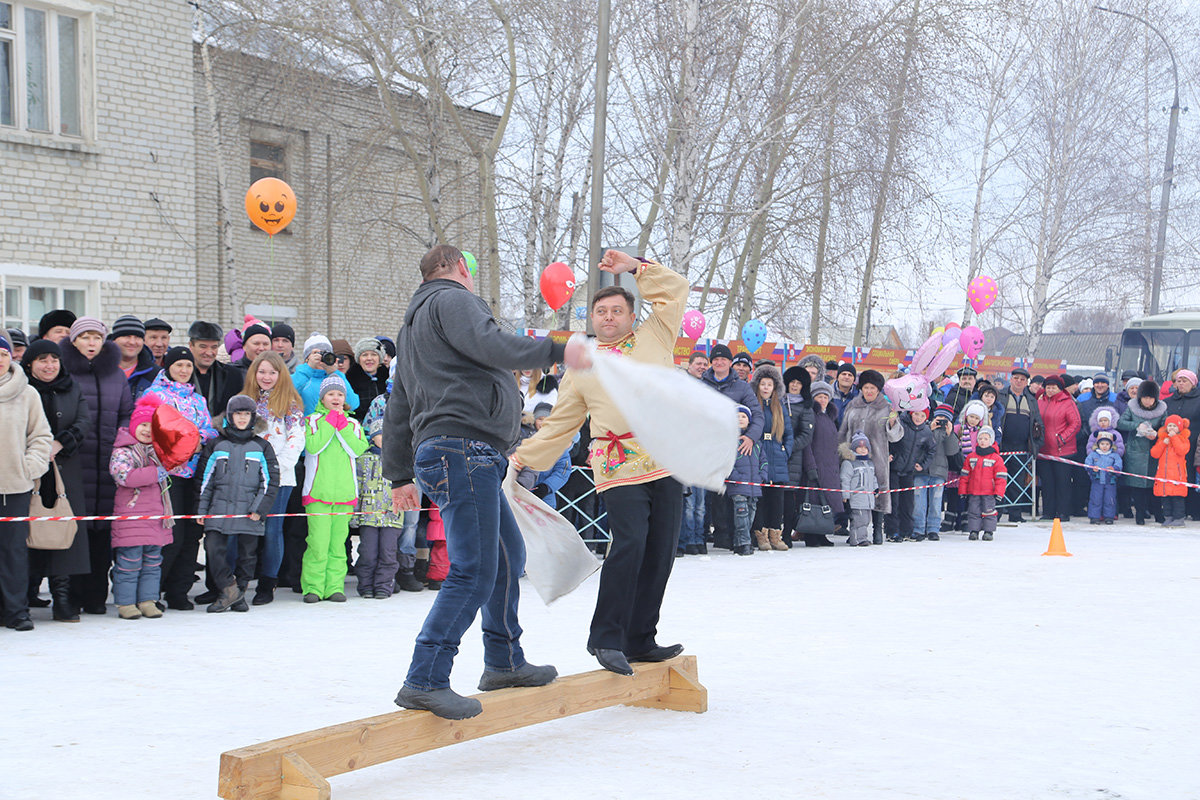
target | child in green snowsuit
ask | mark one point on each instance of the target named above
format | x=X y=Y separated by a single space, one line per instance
x=331 y=443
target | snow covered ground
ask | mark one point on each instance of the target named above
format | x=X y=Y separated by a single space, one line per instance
x=949 y=669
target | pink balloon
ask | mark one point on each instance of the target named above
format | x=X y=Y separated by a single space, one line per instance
x=951 y=335
x=693 y=324
x=971 y=341
x=981 y=293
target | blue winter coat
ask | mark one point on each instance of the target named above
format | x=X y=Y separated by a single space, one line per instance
x=308 y=383
x=749 y=469
x=776 y=451
x=1109 y=460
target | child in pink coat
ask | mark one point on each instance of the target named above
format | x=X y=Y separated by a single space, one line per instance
x=141 y=490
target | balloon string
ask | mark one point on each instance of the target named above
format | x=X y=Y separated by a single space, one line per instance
x=271 y=273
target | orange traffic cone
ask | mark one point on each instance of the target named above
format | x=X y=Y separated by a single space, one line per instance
x=1057 y=546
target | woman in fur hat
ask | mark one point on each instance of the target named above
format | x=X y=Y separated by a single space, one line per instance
x=777 y=449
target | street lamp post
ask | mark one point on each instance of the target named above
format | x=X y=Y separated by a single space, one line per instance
x=1164 y=205
x=596 y=278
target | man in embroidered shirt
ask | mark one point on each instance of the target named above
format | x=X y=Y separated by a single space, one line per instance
x=644 y=502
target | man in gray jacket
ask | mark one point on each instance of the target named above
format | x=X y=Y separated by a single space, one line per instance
x=451 y=421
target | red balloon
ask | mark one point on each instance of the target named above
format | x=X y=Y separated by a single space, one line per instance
x=175 y=438
x=557 y=283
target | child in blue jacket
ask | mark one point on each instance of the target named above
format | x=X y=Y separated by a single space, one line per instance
x=1102 y=501
x=748 y=471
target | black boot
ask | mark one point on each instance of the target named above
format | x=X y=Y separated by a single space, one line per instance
x=816 y=540
x=35 y=585
x=407 y=582
x=60 y=591
x=265 y=592
x=877 y=533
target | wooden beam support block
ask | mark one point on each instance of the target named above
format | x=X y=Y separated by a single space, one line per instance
x=296 y=767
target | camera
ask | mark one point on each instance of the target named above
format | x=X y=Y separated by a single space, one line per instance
x=328 y=359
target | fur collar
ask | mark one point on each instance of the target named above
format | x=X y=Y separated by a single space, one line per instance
x=1135 y=409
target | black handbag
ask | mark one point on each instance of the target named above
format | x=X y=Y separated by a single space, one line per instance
x=814 y=519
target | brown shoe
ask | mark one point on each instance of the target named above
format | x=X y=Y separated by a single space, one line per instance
x=775 y=536
x=128 y=612
x=149 y=609
x=762 y=538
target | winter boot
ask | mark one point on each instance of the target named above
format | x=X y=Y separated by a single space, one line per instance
x=775 y=537
x=60 y=590
x=128 y=612
x=973 y=536
x=265 y=592
x=816 y=540
x=407 y=582
x=149 y=609
x=877 y=532
x=226 y=598
x=987 y=536
x=760 y=536
x=444 y=703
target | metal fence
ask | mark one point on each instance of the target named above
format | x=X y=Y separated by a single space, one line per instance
x=584 y=506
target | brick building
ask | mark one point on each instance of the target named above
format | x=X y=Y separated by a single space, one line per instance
x=108 y=165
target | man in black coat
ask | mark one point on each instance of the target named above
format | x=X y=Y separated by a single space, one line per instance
x=215 y=380
x=958 y=395
x=1023 y=435
x=720 y=376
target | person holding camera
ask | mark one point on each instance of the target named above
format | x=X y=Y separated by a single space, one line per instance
x=932 y=465
x=319 y=362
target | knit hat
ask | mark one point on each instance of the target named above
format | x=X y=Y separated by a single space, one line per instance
x=316 y=341
x=5 y=344
x=1100 y=376
x=872 y=377
x=846 y=366
x=1020 y=371
x=389 y=347
x=144 y=410
x=59 y=317
x=85 y=324
x=205 y=331
x=743 y=358
x=368 y=345
x=542 y=410
x=284 y=331
x=332 y=383
x=986 y=430
x=741 y=409
x=240 y=402
x=17 y=337
x=977 y=408
x=39 y=348
x=128 y=325
x=1055 y=380
x=255 y=329
x=944 y=411
x=720 y=351
x=1131 y=386
x=831 y=365
x=1186 y=374
x=177 y=354
x=1085 y=385
x=341 y=347
x=859 y=439
x=821 y=387
x=156 y=324
x=1104 y=435
x=1105 y=413
x=1068 y=380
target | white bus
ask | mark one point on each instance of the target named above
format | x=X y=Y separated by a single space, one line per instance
x=1157 y=345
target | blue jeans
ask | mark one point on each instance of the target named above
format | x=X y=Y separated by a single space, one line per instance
x=743 y=514
x=487 y=558
x=407 y=546
x=136 y=573
x=927 y=504
x=691 y=530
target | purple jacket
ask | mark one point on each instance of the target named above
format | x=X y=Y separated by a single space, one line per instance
x=106 y=391
x=821 y=459
x=141 y=489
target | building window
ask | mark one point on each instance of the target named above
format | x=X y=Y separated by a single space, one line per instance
x=26 y=303
x=267 y=160
x=42 y=69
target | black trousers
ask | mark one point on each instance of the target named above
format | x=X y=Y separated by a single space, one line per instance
x=295 y=534
x=769 y=511
x=791 y=511
x=216 y=549
x=720 y=508
x=14 y=556
x=644 y=521
x=1057 y=489
x=900 y=519
x=179 y=557
x=92 y=589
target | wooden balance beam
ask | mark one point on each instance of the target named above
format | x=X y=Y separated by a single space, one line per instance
x=296 y=767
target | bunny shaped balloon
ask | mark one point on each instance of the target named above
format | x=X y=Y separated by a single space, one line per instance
x=911 y=392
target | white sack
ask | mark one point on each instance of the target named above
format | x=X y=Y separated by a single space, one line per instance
x=687 y=427
x=556 y=559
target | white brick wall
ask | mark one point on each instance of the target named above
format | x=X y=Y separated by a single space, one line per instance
x=94 y=210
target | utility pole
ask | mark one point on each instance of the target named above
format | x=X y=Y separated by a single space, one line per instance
x=1164 y=205
x=596 y=278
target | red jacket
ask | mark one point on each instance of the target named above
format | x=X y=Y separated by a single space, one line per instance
x=1060 y=416
x=1171 y=452
x=983 y=473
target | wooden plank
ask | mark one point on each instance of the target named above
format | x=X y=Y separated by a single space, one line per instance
x=253 y=772
x=301 y=781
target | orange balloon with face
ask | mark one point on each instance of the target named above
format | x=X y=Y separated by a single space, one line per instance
x=270 y=204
